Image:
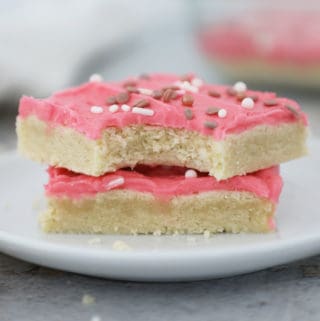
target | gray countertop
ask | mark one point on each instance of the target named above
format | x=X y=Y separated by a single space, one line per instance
x=285 y=293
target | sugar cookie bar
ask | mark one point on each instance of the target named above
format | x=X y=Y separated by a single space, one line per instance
x=161 y=119
x=158 y=200
x=251 y=48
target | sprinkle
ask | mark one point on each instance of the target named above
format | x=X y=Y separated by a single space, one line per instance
x=145 y=91
x=214 y=93
x=187 y=86
x=222 y=113
x=157 y=233
x=190 y=173
x=96 y=109
x=196 y=82
x=188 y=113
x=132 y=90
x=240 y=87
x=212 y=110
x=157 y=94
x=187 y=100
x=180 y=91
x=125 y=107
x=123 y=97
x=247 y=103
x=168 y=94
x=270 y=103
x=115 y=183
x=210 y=124
x=141 y=103
x=95 y=78
x=143 y=111
x=111 y=100
x=292 y=109
x=113 y=108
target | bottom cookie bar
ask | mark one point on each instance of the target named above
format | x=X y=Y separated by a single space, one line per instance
x=160 y=201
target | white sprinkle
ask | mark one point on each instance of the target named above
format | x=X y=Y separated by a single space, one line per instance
x=247 y=103
x=95 y=78
x=115 y=183
x=88 y=299
x=190 y=173
x=125 y=107
x=197 y=82
x=120 y=246
x=157 y=233
x=180 y=92
x=94 y=241
x=113 y=108
x=206 y=234
x=222 y=113
x=178 y=83
x=143 y=111
x=240 y=87
x=96 y=318
x=145 y=91
x=96 y=109
x=187 y=86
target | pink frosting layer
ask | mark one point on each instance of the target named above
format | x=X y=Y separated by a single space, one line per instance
x=290 y=37
x=163 y=182
x=72 y=107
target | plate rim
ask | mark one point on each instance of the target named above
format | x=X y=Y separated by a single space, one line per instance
x=295 y=248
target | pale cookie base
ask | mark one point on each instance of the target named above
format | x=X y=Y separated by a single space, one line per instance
x=257 y=148
x=130 y=212
x=256 y=71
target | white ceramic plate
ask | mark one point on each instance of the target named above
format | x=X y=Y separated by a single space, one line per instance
x=154 y=258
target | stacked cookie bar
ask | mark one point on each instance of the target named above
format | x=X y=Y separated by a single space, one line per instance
x=161 y=154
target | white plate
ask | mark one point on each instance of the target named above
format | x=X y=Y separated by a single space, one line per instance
x=165 y=257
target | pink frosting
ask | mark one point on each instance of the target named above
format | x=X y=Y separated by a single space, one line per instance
x=163 y=182
x=289 y=37
x=71 y=108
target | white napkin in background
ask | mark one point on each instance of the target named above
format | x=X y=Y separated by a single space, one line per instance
x=44 y=43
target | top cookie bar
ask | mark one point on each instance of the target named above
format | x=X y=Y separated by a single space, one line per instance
x=161 y=119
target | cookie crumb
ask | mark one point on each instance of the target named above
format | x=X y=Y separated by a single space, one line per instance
x=206 y=234
x=120 y=246
x=88 y=299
